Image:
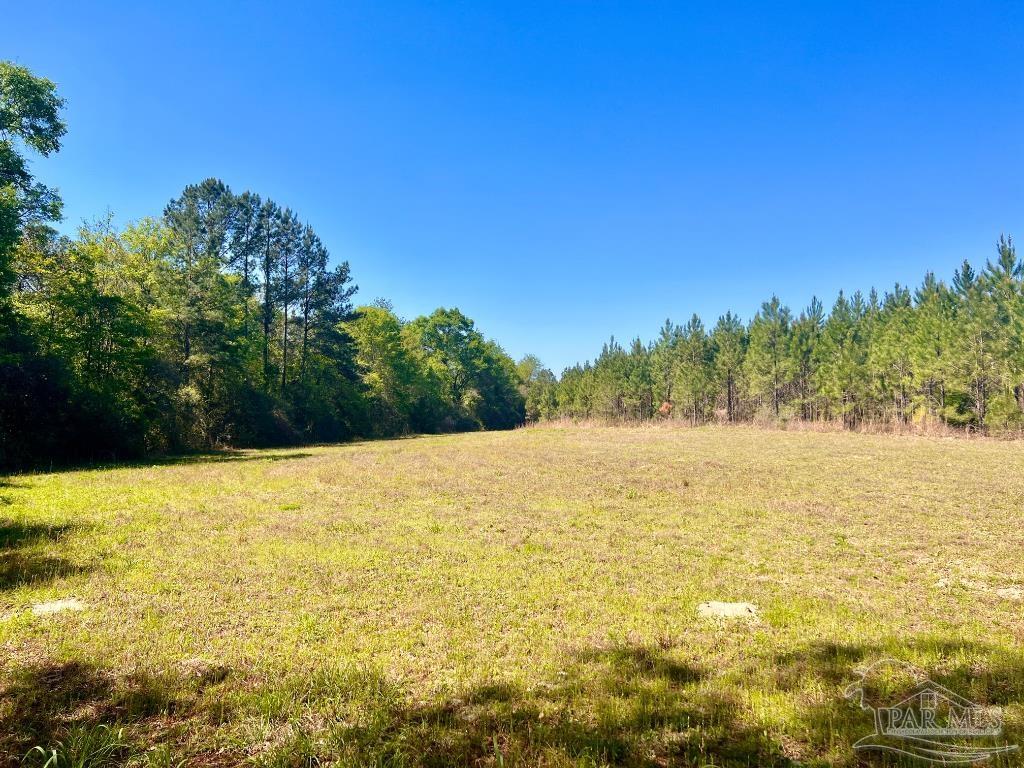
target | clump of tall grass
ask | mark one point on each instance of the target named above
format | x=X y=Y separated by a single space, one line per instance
x=95 y=746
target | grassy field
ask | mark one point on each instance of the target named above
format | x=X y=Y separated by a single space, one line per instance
x=499 y=599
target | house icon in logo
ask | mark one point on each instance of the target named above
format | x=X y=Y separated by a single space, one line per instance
x=927 y=721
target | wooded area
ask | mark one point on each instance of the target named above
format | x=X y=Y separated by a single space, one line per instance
x=222 y=323
x=942 y=354
x=219 y=323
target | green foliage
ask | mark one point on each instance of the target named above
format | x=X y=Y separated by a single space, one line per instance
x=478 y=383
x=223 y=322
x=728 y=350
x=220 y=323
x=401 y=394
x=166 y=337
x=537 y=387
x=98 y=746
x=766 y=361
x=694 y=371
x=943 y=354
x=29 y=118
x=842 y=356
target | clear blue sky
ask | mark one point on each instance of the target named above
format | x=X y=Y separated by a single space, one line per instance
x=560 y=172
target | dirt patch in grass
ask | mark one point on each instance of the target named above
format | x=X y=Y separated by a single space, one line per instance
x=719 y=610
x=58 y=606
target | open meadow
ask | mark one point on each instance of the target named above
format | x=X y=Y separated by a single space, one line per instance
x=506 y=598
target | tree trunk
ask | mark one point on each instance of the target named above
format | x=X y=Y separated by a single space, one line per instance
x=267 y=309
x=284 y=351
x=728 y=398
x=305 y=329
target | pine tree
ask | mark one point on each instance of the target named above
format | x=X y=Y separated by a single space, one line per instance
x=976 y=341
x=890 y=357
x=663 y=362
x=693 y=372
x=931 y=342
x=1002 y=281
x=289 y=243
x=841 y=375
x=609 y=376
x=729 y=343
x=270 y=266
x=246 y=223
x=766 y=360
x=638 y=383
x=803 y=344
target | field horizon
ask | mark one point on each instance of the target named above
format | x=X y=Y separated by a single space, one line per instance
x=532 y=597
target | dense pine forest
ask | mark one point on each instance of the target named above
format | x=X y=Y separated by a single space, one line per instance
x=221 y=322
x=946 y=355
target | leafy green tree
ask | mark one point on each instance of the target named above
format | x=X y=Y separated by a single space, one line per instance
x=500 y=404
x=88 y=303
x=537 y=387
x=452 y=347
x=29 y=119
x=478 y=381
x=387 y=368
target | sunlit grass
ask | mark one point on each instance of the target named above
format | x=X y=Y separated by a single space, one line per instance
x=523 y=598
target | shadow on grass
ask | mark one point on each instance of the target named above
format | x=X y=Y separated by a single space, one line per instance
x=638 y=706
x=23 y=559
x=256 y=454
x=223 y=456
x=5 y=500
x=46 y=705
x=986 y=675
x=201 y=457
x=196 y=457
x=625 y=705
x=16 y=534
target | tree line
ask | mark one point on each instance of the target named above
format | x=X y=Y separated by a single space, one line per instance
x=220 y=322
x=940 y=354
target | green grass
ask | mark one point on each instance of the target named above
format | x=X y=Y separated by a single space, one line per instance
x=500 y=599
